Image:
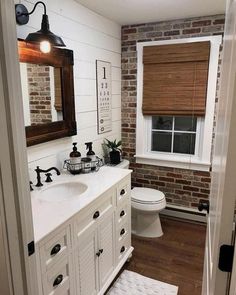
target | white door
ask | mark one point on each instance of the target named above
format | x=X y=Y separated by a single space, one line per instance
x=15 y=203
x=223 y=188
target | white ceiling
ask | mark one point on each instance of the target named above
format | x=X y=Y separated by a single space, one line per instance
x=144 y=11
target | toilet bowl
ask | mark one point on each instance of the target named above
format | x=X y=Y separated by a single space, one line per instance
x=146 y=203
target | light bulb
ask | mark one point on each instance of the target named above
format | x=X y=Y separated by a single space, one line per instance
x=45 y=46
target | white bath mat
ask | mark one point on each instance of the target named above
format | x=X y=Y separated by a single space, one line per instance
x=131 y=283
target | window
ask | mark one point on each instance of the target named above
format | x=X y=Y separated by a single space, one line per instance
x=175 y=135
x=168 y=133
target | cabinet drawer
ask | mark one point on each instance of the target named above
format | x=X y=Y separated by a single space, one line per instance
x=58 y=280
x=122 y=212
x=54 y=248
x=94 y=214
x=123 y=191
x=122 y=247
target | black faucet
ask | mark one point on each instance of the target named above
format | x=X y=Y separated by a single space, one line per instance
x=38 y=171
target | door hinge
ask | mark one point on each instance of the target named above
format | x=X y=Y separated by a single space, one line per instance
x=226 y=258
x=31 y=248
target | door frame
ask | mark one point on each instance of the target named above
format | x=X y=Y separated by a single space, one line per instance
x=16 y=223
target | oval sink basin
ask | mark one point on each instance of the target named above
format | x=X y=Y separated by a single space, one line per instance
x=62 y=191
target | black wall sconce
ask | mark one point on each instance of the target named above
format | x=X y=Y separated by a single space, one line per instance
x=44 y=36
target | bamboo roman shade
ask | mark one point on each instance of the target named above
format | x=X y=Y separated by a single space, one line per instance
x=175 y=79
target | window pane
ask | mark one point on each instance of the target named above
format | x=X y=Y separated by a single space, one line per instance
x=161 y=141
x=162 y=122
x=185 y=123
x=184 y=143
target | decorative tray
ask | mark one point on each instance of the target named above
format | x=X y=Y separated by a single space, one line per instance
x=83 y=167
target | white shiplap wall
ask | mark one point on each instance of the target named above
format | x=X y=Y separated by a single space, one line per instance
x=91 y=37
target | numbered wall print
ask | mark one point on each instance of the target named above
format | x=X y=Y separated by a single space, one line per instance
x=104 y=105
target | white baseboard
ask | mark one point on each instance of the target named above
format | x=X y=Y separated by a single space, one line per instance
x=184 y=213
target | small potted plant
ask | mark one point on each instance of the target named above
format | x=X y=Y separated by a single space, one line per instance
x=115 y=150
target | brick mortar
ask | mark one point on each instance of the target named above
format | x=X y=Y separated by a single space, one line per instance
x=182 y=187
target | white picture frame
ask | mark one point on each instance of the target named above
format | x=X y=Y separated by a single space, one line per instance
x=104 y=96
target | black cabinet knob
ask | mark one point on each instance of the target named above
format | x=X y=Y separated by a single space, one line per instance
x=96 y=215
x=98 y=253
x=122 y=192
x=203 y=205
x=122 y=249
x=122 y=232
x=122 y=213
x=58 y=280
x=55 y=249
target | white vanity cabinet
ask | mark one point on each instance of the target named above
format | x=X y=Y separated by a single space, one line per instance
x=83 y=256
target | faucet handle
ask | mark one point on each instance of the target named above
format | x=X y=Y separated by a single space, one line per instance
x=48 y=179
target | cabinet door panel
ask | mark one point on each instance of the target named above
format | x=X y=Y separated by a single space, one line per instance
x=107 y=246
x=86 y=263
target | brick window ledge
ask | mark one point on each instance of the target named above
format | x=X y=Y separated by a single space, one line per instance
x=182 y=162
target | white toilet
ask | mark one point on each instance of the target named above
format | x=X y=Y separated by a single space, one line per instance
x=146 y=204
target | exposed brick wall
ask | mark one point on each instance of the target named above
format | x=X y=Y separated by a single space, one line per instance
x=39 y=94
x=182 y=187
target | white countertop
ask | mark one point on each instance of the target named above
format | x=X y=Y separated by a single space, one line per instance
x=48 y=215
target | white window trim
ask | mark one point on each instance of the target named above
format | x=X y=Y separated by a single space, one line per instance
x=201 y=162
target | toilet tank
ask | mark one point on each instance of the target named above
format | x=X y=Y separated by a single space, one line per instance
x=124 y=164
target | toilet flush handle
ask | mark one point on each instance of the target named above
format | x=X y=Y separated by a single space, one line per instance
x=203 y=205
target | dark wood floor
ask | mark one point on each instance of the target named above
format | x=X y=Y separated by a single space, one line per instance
x=175 y=258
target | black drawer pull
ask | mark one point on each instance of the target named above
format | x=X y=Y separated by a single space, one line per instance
x=58 y=280
x=122 y=249
x=122 y=213
x=122 y=232
x=122 y=192
x=55 y=249
x=96 y=215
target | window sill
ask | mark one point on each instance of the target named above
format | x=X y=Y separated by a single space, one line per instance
x=173 y=161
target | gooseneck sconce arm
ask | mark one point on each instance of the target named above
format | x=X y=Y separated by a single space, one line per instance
x=44 y=36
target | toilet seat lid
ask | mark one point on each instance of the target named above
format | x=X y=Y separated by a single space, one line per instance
x=146 y=195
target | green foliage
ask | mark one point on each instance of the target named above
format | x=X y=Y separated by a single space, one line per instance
x=113 y=145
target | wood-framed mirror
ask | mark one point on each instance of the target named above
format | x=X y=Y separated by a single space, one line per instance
x=48 y=93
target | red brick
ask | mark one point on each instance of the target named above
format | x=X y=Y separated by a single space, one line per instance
x=159 y=183
x=191 y=31
x=206 y=179
x=190 y=188
x=167 y=179
x=201 y=173
x=129 y=31
x=183 y=181
x=201 y=23
x=219 y=22
x=172 y=33
x=141 y=180
x=174 y=175
x=199 y=195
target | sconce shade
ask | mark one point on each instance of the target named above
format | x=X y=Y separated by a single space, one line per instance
x=44 y=34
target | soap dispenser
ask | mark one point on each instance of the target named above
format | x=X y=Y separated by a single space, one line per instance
x=75 y=156
x=90 y=153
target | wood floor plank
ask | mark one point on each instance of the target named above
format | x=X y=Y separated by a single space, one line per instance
x=175 y=258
